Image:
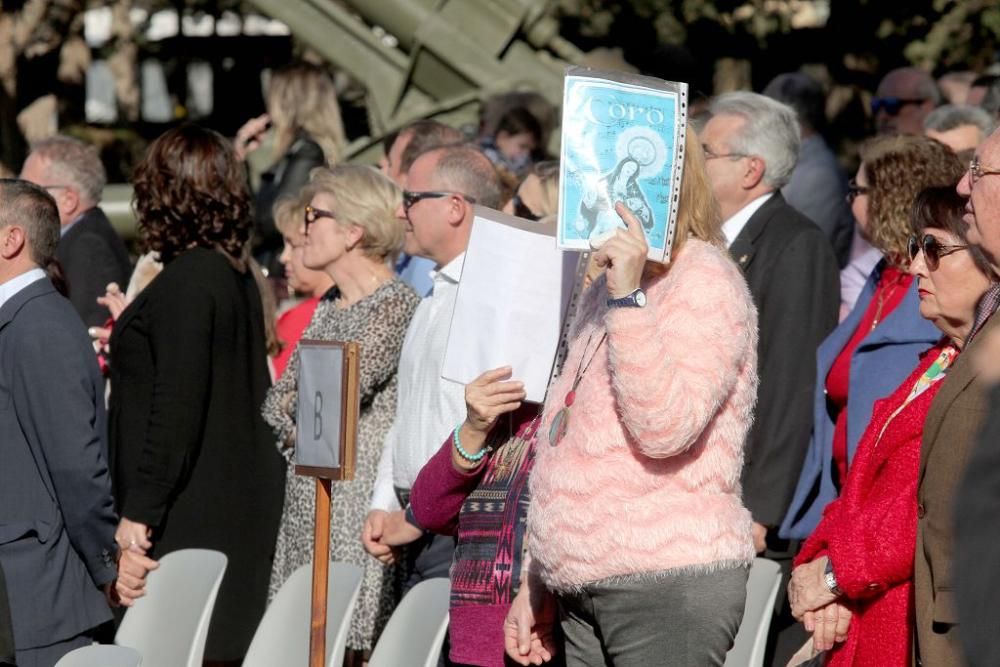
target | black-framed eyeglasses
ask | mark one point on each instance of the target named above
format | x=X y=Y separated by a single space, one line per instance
x=976 y=171
x=312 y=214
x=892 y=105
x=712 y=155
x=854 y=190
x=521 y=209
x=410 y=198
x=932 y=248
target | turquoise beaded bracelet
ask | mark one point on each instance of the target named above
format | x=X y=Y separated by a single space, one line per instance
x=472 y=458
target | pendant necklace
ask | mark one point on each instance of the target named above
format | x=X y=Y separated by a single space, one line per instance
x=560 y=424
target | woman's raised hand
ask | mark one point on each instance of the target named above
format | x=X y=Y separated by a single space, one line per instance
x=623 y=255
x=248 y=137
x=491 y=395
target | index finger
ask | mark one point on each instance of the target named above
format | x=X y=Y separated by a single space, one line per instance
x=493 y=375
x=631 y=222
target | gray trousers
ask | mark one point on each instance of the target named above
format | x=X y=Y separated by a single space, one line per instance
x=682 y=620
x=47 y=656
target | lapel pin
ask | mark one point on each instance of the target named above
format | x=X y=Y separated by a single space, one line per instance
x=744 y=258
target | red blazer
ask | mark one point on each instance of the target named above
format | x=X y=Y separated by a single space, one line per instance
x=870 y=532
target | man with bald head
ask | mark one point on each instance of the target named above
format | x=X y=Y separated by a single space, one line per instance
x=904 y=98
x=443 y=185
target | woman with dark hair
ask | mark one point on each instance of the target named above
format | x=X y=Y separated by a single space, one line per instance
x=192 y=460
x=852 y=584
x=876 y=345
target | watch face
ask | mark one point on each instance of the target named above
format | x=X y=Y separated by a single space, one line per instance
x=640 y=299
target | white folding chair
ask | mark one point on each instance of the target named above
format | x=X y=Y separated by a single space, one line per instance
x=751 y=640
x=169 y=625
x=99 y=655
x=282 y=638
x=414 y=634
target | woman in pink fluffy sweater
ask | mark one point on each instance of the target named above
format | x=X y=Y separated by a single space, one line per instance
x=636 y=527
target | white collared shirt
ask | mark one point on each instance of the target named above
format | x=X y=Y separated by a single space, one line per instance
x=428 y=407
x=734 y=225
x=18 y=283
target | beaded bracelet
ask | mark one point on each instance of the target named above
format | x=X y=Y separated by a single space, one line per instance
x=472 y=458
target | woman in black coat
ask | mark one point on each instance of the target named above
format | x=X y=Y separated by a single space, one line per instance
x=193 y=463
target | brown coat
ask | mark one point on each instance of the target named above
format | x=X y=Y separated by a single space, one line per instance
x=950 y=431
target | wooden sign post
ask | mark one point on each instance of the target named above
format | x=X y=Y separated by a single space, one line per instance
x=329 y=400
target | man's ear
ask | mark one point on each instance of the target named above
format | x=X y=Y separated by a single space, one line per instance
x=754 y=173
x=457 y=207
x=12 y=241
x=69 y=201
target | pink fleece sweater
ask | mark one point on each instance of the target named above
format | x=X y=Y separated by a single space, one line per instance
x=647 y=478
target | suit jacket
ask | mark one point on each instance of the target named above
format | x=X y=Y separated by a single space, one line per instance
x=92 y=255
x=956 y=414
x=818 y=189
x=878 y=365
x=57 y=519
x=793 y=277
x=190 y=453
x=6 y=629
x=977 y=545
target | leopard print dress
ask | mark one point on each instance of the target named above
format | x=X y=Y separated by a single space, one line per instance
x=379 y=324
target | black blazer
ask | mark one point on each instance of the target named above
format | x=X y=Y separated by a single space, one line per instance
x=92 y=255
x=6 y=628
x=57 y=520
x=191 y=455
x=793 y=277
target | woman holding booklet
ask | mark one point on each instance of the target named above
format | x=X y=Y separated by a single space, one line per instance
x=639 y=444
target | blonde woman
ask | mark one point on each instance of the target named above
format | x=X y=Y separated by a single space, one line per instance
x=303 y=116
x=637 y=528
x=350 y=233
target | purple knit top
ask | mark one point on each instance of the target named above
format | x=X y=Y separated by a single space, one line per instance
x=487 y=507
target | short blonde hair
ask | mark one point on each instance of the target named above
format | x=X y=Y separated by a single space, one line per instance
x=366 y=199
x=288 y=212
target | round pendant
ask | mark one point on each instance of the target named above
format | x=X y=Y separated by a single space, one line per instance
x=558 y=428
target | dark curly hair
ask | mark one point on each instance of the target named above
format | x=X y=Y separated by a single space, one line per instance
x=191 y=191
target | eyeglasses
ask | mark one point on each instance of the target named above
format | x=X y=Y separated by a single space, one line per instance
x=521 y=209
x=410 y=199
x=313 y=214
x=854 y=190
x=892 y=105
x=976 y=171
x=712 y=155
x=933 y=250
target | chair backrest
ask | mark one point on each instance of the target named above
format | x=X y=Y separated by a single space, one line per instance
x=169 y=625
x=282 y=638
x=101 y=656
x=751 y=640
x=414 y=634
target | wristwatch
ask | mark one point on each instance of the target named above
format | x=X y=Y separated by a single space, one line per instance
x=831 y=580
x=637 y=299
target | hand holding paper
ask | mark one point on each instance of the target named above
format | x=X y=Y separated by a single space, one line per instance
x=623 y=255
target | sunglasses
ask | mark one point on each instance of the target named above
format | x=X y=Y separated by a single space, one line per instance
x=892 y=105
x=313 y=214
x=410 y=199
x=933 y=250
x=521 y=209
x=854 y=190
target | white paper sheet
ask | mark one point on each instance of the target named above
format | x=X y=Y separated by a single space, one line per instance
x=515 y=289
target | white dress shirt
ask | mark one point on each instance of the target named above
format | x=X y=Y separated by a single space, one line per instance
x=428 y=407
x=734 y=225
x=18 y=283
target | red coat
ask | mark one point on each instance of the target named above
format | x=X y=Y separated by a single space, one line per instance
x=870 y=532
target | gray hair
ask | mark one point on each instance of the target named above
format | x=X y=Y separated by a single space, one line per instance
x=32 y=208
x=771 y=132
x=76 y=163
x=950 y=116
x=466 y=169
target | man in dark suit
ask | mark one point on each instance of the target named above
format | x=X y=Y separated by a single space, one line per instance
x=751 y=143
x=90 y=251
x=57 y=522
